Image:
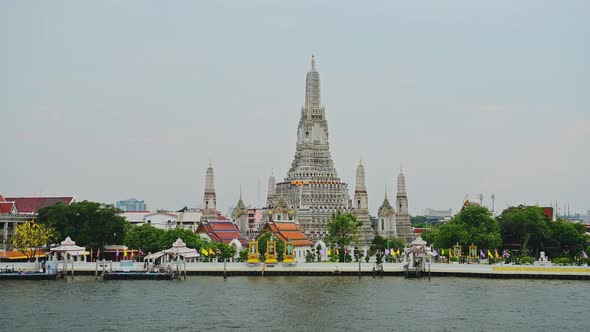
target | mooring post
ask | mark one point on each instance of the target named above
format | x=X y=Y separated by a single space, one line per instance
x=224 y=268
x=359 y=268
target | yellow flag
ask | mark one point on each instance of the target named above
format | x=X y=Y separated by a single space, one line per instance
x=204 y=252
x=125 y=252
x=329 y=252
x=490 y=254
x=212 y=252
x=450 y=253
x=496 y=252
x=442 y=251
x=397 y=253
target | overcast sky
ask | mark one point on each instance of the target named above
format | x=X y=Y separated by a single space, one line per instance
x=117 y=99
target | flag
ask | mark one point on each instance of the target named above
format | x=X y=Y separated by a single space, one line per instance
x=434 y=252
x=397 y=253
x=85 y=254
x=490 y=254
x=496 y=254
x=125 y=252
x=442 y=252
x=91 y=254
x=211 y=252
x=506 y=253
x=329 y=252
x=387 y=251
x=450 y=254
x=197 y=252
x=97 y=253
x=322 y=252
x=482 y=254
x=218 y=252
x=204 y=252
x=132 y=254
x=117 y=254
x=584 y=254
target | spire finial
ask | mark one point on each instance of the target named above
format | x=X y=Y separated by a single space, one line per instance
x=210 y=163
x=313 y=61
x=240 y=192
x=361 y=162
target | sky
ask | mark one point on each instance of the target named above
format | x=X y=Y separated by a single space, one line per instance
x=116 y=99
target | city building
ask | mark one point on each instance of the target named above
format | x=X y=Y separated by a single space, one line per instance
x=312 y=188
x=17 y=210
x=161 y=220
x=131 y=204
x=189 y=218
x=437 y=216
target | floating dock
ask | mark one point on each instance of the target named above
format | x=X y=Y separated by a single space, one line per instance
x=138 y=276
x=27 y=276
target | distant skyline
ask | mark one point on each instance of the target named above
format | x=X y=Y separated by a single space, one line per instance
x=111 y=100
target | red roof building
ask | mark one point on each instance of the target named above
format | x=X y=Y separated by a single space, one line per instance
x=31 y=205
x=287 y=231
x=7 y=208
x=222 y=231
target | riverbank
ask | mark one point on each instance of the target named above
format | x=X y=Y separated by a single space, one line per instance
x=348 y=269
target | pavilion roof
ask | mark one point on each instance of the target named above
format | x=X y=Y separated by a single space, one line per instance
x=68 y=246
x=287 y=231
x=222 y=231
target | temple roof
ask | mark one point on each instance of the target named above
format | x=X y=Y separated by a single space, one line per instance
x=287 y=231
x=222 y=231
x=33 y=204
x=386 y=208
x=7 y=207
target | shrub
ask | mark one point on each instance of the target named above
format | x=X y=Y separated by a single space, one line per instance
x=454 y=259
x=527 y=260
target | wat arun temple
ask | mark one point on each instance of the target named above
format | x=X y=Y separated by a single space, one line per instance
x=312 y=191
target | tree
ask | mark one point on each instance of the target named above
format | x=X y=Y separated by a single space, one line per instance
x=526 y=226
x=90 y=224
x=145 y=237
x=342 y=230
x=570 y=237
x=226 y=251
x=474 y=224
x=170 y=236
x=29 y=236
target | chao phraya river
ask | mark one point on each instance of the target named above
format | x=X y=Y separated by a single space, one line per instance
x=295 y=304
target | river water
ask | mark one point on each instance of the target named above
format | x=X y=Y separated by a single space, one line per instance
x=295 y=304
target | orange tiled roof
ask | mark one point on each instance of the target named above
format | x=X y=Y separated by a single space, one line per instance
x=15 y=254
x=288 y=231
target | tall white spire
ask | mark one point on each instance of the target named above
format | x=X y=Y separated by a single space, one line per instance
x=312 y=87
x=209 y=198
x=360 y=177
x=401 y=182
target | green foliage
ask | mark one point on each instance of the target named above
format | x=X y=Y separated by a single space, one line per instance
x=474 y=224
x=527 y=260
x=525 y=225
x=419 y=221
x=191 y=239
x=145 y=237
x=90 y=224
x=342 y=230
x=454 y=259
x=243 y=255
x=309 y=256
x=226 y=250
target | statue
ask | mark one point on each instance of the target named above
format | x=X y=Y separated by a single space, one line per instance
x=253 y=257
x=271 y=252
x=288 y=255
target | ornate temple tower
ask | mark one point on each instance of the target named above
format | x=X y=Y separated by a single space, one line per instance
x=209 y=198
x=272 y=192
x=361 y=207
x=404 y=227
x=240 y=216
x=386 y=223
x=312 y=186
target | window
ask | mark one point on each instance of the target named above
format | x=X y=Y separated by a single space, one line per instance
x=382 y=224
